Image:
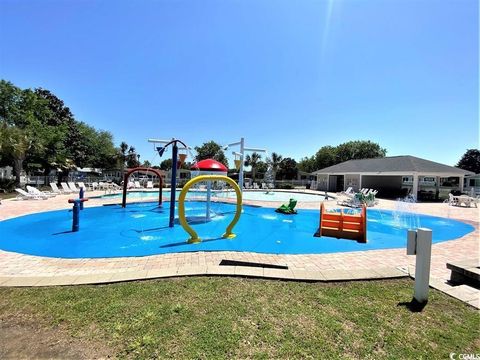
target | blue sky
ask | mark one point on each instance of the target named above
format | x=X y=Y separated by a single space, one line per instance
x=290 y=76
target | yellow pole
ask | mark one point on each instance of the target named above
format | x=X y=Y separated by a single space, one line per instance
x=181 y=206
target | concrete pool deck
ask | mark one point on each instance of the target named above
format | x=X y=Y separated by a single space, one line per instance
x=26 y=270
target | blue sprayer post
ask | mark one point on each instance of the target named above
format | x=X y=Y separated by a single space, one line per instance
x=77 y=205
x=80 y=196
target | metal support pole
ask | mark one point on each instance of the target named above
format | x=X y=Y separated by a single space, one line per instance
x=173 y=185
x=209 y=199
x=124 y=194
x=240 y=174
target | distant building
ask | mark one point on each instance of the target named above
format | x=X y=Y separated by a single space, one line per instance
x=393 y=176
x=6 y=173
x=472 y=182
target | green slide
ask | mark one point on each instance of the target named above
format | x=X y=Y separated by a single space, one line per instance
x=288 y=209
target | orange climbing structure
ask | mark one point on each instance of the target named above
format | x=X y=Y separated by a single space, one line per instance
x=343 y=226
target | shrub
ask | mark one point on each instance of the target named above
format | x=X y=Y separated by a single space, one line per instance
x=285 y=186
x=7 y=184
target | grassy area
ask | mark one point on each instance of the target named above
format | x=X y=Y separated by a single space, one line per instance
x=7 y=195
x=243 y=318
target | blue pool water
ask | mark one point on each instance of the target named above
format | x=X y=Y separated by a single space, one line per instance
x=142 y=229
x=247 y=195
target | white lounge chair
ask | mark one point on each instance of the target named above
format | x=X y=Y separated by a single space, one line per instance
x=82 y=185
x=55 y=189
x=65 y=188
x=94 y=185
x=350 y=202
x=35 y=191
x=349 y=192
x=149 y=184
x=23 y=195
x=72 y=186
x=115 y=186
x=137 y=185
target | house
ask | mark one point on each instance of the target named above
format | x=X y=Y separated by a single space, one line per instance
x=393 y=176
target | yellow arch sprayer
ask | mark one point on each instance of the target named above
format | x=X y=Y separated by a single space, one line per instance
x=181 y=206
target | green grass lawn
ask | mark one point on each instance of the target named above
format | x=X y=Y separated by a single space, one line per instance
x=201 y=317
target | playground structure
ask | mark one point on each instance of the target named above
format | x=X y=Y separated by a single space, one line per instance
x=208 y=167
x=181 y=206
x=175 y=165
x=342 y=225
x=239 y=158
x=137 y=169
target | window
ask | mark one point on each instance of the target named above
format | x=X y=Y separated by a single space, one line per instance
x=449 y=181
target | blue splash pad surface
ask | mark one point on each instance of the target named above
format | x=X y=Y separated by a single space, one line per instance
x=142 y=229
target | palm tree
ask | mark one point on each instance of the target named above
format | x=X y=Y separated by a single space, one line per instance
x=133 y=158
x=123 y=154
x=16 y=142
x=252 y=160
x=274 y=162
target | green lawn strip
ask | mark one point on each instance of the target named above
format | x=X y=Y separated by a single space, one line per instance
x=217 y=317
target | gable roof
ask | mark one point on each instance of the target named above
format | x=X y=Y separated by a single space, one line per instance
x=402 y=164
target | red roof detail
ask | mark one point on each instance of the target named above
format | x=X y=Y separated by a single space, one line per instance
x=209 y=165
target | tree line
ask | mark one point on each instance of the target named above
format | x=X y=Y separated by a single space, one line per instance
x=331 y=155
x=38 y=132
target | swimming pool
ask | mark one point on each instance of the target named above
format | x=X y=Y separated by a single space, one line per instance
x=283 y=196
x=142 y=229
